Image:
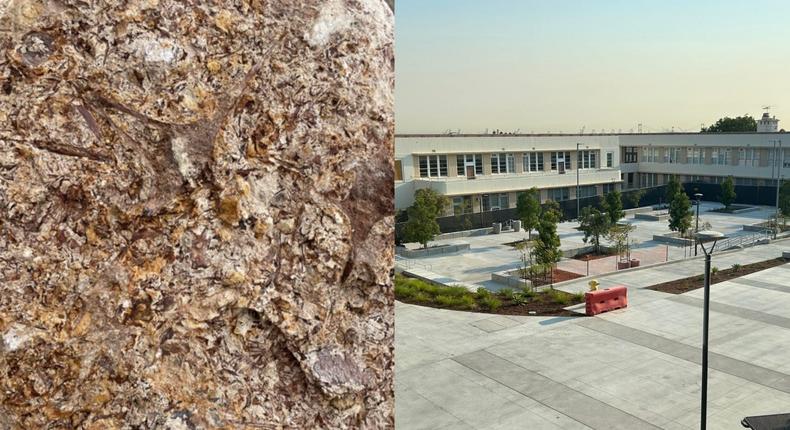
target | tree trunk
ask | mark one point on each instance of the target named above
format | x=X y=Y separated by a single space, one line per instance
x=182 y=237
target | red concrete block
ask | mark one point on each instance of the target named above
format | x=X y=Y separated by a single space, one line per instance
x=605 y=300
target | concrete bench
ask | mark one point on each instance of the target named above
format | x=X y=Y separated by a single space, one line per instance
x=596 y=302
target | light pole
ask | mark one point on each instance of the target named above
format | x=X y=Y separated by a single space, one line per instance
x=706 y=236
x=698 y=196
x=577 y=179
x=779 y=166
x=578 y=165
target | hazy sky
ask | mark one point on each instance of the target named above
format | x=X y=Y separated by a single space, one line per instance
x=559 y=65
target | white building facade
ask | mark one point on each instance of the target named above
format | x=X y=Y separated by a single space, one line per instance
x=487 y=172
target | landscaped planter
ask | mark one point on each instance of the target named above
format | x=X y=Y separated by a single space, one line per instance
x=434 y=250
x=623 y=265
x=652 y=217
x=634 y=262
x=673 y=238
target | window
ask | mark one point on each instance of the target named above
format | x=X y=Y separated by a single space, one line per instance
x=462 y=205
x=495 y=202
x=588 y=191
x=432 y=166
x=749 y=157
x=586 y=159
x=533 y=161
x=609 y=159
x=720 y=156
x=630 y=155
x=398 y=170
x=608 y=188
x=559 y=194
x=468 y=160
x=673 y=155
x=648 y=180
x=695 y=156
x=502 y=163
x=560 y=158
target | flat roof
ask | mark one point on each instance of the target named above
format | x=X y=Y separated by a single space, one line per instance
x=696 y=133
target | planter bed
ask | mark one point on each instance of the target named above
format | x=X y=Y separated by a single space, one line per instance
x=506 y=302
x=680 y=286
x=736 y=209
x=589 y=256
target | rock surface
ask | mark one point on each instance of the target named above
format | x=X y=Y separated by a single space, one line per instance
x=195 y=214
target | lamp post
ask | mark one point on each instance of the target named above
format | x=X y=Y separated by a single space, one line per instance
x=578 y=166
x=779 y=161
x=698 y=196
x=706 y=236
x=577 y=179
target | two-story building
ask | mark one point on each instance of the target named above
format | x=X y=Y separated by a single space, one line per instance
x=485 y=172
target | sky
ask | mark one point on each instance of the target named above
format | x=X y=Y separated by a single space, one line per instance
x=558 y=66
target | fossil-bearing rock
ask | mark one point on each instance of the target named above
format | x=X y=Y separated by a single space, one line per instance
x=195 y=214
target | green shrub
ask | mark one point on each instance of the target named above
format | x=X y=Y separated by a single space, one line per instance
x=528 y=292
x=713 y=270
x=454 y=291
x=421 y=297
x=506 y=293
x=578 y=296
x=404 y=292
x=490 y=303
x=736 y=267
x=462 y=302
x=558 y=296
x=483 y=293
x=520 y=298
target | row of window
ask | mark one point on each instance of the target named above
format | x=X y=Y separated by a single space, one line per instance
x=748 y=157
x=470 y=165
x=491 y=202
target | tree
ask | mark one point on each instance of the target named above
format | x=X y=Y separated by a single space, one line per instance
x=784 y=198
x=613 y=206
x=634 y=197
x=547 y=246
x=551 y=209
x=680 y=213
x=728 y=125
x=528 y=210
x=727 y=192
x=618 y=235
x=673 y=188
x=594 y=224
x=422 y=226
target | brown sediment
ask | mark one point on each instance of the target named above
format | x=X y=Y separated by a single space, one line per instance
x=195 y=214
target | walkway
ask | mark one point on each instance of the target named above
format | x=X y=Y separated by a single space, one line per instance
x=630 y=369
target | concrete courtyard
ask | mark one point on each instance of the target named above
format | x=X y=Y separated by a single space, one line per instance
x=489 y=253
x=629 y=369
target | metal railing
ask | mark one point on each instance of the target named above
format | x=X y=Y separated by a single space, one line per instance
x=745 y=240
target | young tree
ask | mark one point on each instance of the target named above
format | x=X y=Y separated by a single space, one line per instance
x=727 y=192
x=618 y=235
x=547 y=246
x=613 y=206
x=528 y=210
x=673 y=188
x=594 y=224
x=422 y=226
x=680 y=213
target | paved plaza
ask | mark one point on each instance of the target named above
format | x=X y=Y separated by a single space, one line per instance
x=488 y=253
x=636 y=368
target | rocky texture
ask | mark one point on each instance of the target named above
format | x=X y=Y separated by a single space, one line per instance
x=195 y=214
